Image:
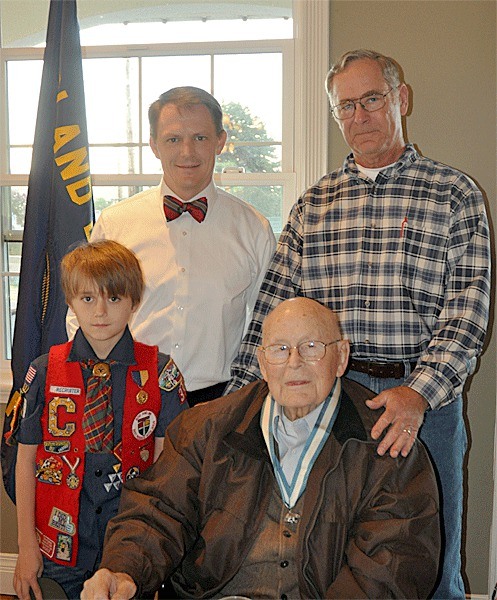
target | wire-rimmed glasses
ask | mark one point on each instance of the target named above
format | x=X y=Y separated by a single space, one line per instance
x=370 y=103
x=310 y=351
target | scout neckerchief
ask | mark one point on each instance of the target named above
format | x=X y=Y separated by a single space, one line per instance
x=291 y=491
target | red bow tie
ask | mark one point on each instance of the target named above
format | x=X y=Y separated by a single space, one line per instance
x=173 y=208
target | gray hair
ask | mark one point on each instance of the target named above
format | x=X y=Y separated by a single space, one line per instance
x=390 y=69
x=185 y=96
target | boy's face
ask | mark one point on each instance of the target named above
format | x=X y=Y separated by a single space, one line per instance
x=102 y=318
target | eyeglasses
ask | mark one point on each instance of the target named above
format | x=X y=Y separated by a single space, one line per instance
x=310 y=351
x=370 y=103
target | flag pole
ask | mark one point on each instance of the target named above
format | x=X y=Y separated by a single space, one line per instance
x=59 y=210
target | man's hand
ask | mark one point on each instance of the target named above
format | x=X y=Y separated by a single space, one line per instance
x=404 y=412
x=105 y=585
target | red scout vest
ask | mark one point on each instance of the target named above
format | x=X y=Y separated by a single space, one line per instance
x=58 y=483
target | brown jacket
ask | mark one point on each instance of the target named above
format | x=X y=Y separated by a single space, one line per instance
x=369 y=527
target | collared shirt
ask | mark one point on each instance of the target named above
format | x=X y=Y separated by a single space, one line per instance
x=404 y=261
x=202 y=279
x=101 y=489
x=291 y=437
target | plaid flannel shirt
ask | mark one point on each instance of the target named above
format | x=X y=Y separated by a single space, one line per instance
x=404 y=261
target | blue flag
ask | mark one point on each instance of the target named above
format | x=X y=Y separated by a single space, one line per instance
x=59 y=208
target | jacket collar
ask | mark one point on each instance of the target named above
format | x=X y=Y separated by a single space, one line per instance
x=248 y=438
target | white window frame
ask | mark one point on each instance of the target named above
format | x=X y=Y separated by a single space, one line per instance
x=305 y=115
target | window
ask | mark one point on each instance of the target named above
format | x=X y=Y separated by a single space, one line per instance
x=252 y=64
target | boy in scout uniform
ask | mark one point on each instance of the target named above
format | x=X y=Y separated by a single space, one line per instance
x=91 y=414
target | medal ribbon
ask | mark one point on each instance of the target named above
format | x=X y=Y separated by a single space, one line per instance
x=291 y=491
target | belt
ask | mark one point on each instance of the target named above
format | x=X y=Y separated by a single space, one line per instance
x=383 y=370
x=206 y=394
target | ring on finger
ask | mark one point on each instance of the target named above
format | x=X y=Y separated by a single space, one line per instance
x=407 y=430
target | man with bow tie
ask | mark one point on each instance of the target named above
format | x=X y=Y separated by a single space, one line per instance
x=203 y=251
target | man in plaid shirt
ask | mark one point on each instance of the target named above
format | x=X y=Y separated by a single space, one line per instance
x=398 y=246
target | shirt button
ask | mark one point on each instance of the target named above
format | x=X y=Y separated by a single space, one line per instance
x=367 y=304
x=185 y=232
x=98 y=510
x=182 y=269
x=287 y=534
x=284 y=564
x=98 y=472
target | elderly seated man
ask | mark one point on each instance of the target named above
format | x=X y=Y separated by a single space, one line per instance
x=277 y=491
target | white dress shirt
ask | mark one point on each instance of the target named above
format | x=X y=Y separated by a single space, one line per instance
x=202 y=279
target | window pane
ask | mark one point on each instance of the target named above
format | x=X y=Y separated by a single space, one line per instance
x=111 y=95
x=13 y=208
x=14 y=257
x=23 y=85
x=20 y=160
x=151 y=164
x=250 y=158
x=266 y=199
x=162 y=73
x=110 y=159
x=250 y=85
x=10 y=287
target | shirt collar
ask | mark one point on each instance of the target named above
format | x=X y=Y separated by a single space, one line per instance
x=281 y=422
x=408 y=156
x=123 y=351
x=210 y=192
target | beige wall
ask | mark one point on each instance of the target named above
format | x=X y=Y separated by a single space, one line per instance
x=448 y=52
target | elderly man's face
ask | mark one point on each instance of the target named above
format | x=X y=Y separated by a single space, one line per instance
x=297 y=385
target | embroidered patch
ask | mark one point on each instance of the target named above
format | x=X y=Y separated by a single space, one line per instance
x=57 y=447
x=30 y=375
x=170 y=376
x=64 y=547
x=49 y=471
x=59 y=389
x=62 y=521
x=47 y=546
x=53 y=406
x=144 y=424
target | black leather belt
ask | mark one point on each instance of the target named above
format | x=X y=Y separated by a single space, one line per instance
x=383 y=370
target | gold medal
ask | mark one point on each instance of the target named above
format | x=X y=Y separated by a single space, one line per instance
x=72 y=479
x=101 y=370
x=142 y=397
